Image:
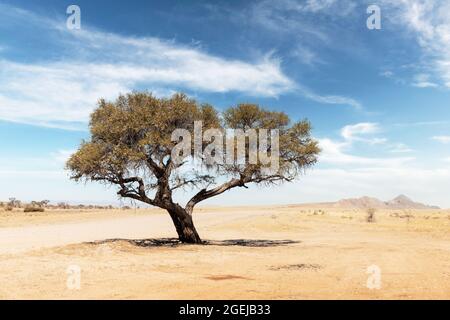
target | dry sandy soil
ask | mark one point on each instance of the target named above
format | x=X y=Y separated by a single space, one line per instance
x=289 y=252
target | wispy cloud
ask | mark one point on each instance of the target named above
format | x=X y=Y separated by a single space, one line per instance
x=422 y=123
x=62 y=92
x=337 y=152
x=304 y=55
x=442 y=139
x=387 y=74
x=67 y=91
x=273 y=16
x=400 y=148
x=331 y=99
x=429 y=21
x=62 y=155
x=423 y=81
x=353 y=131
x=381 y=181
x=297 y=20
x=360 y=131
x=58 y=92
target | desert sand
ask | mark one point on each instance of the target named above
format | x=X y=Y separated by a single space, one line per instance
x=280 y=252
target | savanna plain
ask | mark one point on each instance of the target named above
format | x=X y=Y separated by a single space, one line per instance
x=279 y=252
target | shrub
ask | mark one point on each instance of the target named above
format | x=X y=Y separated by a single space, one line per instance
x=370 y=215
x=9 y=208
x=33 y=209
x=63 y=205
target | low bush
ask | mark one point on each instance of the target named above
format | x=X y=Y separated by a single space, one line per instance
x=33 y=209
x=370 y=215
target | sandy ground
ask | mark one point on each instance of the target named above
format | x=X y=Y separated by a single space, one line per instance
x=290 y=252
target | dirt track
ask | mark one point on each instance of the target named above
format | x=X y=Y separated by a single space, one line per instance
x=24 y=238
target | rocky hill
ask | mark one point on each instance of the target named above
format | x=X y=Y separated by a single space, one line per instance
x=400 y=202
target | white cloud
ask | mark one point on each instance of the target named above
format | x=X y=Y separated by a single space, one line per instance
x=351 y=132
x=442 y=139
x=335 y=153
x=387 y=74
x=423 y=81
x=298 y=19
x=62 y=155
x=68 y=91
x=63 y=93
x=339 y=100
x=273 y=12
x=359 y=132
x=307 y=6
x=305 y=55
x=424 y=84
x=400 y=148
x=317 y=5
x=58 y=93
x=429 y=20
x=425 y=185
x=423 y=123
x=48 y=94
x=350 y=175
x=272 y=16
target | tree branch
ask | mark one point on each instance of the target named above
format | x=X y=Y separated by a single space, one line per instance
x=139 y=194
x=206 y=194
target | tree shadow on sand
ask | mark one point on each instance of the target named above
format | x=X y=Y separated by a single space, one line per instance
x=173 y=242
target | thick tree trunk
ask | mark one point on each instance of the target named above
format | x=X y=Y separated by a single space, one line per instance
x=185 y=226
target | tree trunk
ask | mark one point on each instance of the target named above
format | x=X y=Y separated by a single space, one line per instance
x=185 y=226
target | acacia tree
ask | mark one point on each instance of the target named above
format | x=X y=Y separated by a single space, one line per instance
x=131 y=147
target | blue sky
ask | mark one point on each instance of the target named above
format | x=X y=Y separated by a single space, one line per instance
x=378 y=99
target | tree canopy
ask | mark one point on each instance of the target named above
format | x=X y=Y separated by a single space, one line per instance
x=131 y=146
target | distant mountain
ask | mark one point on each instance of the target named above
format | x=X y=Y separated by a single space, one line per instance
x=400 y=202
